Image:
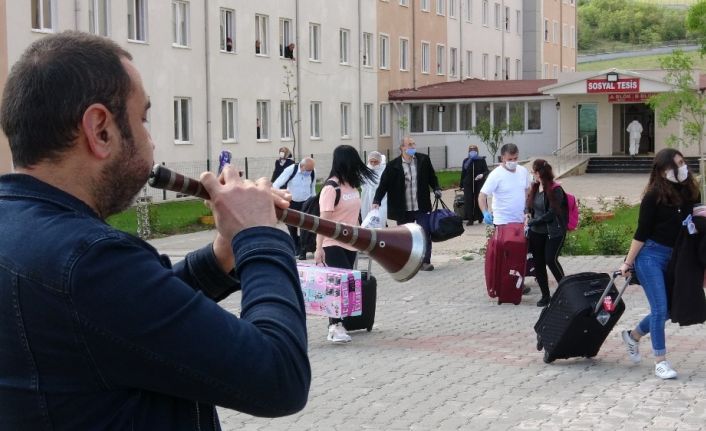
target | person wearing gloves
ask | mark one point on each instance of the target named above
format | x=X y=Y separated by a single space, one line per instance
x=635 y=131
x=406 y=181
x=376 y=162
x=283 y=162
x=473 y=174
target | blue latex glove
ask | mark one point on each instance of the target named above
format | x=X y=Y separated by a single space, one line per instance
x=487 y=217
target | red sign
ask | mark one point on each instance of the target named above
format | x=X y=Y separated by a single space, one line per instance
x=629 y=97
x=625 y=85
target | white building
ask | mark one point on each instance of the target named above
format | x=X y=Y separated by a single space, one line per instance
x=209 y=87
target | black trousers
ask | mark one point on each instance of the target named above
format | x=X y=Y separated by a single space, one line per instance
x=293 y=230
x=471 y=210
x=545 y=252
x=419 y=218
x=339 y=257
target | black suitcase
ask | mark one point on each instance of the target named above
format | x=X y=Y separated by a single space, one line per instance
x=369 y=296
x=459 y=202
x=576 y=322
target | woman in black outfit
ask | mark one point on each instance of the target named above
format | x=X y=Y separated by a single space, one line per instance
x=473 y=174
x=669 y=198
x=548 y=212
x=284 y=160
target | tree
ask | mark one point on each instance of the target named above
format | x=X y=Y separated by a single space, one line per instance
x=492 y=137
x=290 y=90
x=696 y=23
x=685 y=104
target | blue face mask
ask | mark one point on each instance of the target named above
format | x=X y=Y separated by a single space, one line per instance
x=472 y=154
x=411 y=151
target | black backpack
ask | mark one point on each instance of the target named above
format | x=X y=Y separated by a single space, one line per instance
x=294 y=172
x=307 y=240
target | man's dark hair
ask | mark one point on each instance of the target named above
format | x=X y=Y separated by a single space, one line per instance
x=50 y=87
x=509 y=149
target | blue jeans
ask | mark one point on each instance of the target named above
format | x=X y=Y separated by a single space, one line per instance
x=651 y=267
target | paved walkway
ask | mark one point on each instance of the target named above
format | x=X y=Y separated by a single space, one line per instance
x=444 y=356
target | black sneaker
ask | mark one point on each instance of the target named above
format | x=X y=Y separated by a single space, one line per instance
x=544 y=301
x=427 y=267
x=526 y=290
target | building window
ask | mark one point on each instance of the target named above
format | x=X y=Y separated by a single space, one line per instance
x=518 y=69
x=518 y=22
x=555 y=71
x=452 y=62
x=517 y=113
x=99 y=17
x=433 y=124
x=315 y=119
x=404 y=2
x=440 y=6
x=384 y=119
x=182 y=120
x=262 y=31
x=137 y=20
x=425 y=5
x=416 y=118
x=345 y=120
x=384 y=51
x=534 y=116
x=555 y=36
x=227 y=30
x=452 y=8
x=506 y=71
x=465 y=113
x=285 y=38
x=545 y=71
x=485 y=13
x=468 y=7
x=507 y=19
x=546 y=30
x=43 y=15
x=499 y=113
x=565 y=35
x=485 y=66
x=263 y=120
x=448 y=117
x=498 y=72
x=285 y=120
x=367 y=49
x=404 y=54
x=314 y=42
x=426 y=61
x=368 y=116
x=498 y=18
x=344 y=46
x=229 y=120
x=180 y=23
x=469 y=64
x=440 y=59
x=482 y=112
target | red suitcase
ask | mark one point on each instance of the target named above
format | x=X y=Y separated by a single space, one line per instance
x=505 y=263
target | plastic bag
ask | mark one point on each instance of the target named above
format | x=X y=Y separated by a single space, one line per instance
x=372 y=220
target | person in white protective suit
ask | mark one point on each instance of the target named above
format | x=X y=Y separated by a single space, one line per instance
x=635 y=131
x=376 y=162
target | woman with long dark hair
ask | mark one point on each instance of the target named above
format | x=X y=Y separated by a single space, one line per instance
x=548 y=211
x=669 y=198
x=349 y=172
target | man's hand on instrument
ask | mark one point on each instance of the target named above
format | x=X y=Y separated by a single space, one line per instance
x=239 y=204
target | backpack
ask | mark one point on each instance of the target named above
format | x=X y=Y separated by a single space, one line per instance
x=307 y=240
x=573 y=213
x=294 y=172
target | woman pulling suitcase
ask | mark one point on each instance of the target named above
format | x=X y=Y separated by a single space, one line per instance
x=669 y=198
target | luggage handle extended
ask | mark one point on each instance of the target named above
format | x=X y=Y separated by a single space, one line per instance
x=618 y=298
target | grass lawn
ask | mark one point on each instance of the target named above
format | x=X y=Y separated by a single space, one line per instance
x=167 y=218
x=644 y=62
x=610 y=237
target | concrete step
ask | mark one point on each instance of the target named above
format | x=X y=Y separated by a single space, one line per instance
x=638 y=164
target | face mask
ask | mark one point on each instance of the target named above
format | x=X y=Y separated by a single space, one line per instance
x=472 y=154
x=682 y=173
x=281 y=154
x=411 y=151
x=511 y=165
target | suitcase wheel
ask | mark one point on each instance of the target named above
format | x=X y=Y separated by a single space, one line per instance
x=547 y=359
x=369 y=328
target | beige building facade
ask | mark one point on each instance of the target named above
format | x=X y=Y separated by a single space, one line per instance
x=550 y=38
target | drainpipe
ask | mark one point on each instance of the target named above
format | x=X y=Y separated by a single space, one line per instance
x=298 y=69
x=207 y=54
x=460 y=43
x=414 y=45
x=360 y=82
x=502 y=43
x=77 y=10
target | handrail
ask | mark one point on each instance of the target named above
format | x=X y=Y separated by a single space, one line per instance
x=578 y=151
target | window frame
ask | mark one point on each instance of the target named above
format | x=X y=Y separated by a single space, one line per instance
x=368 y=122
x=440 y=59
x=469 y=10
x=485 y=11
x=315 y=120
x=94 y=23
x=404 y=54
x=286 y=122
x=384 y=54
x=315 y=41
x=469 y=63
x=262 y=34
x=453 y=63
x=37 y=6
x=181 y=129
x=345 y=120
x=426 y=60
x=263 y=107
x=225 y=32
x=344 y=47
x=451 y=9
x=441 y=7
x=180 y=23
x=285 y=35
x=229 y=112
x=140 y=30
x=367 y=49
x=384 y=123
x=422 y=7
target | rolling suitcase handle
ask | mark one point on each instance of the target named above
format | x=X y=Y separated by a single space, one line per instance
x=613 y=277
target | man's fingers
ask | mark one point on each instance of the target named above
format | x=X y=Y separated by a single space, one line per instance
x=209 y=181
x=230 y=173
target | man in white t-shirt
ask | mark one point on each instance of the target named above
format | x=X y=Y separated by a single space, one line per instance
x=508 y=185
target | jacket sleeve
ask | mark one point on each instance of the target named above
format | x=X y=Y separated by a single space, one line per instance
x=549 y=215
x=381 y=191
x=201 y=271
x=463 y=172
x=283 y=177
x=146 y=328
x=433 y=180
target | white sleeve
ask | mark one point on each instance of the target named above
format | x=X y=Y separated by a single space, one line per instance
x=490 y=184
x=283 y=177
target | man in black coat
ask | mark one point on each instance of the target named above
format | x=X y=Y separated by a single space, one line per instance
x=406 y=181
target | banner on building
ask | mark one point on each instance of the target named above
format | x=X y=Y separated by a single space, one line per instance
x=625 y=85
x=630 y=97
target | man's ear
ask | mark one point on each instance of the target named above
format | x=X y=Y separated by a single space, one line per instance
x=96 y=125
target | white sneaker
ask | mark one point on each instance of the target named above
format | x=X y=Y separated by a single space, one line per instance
x=632 y=346
x=664 y=370
x=337 y=334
